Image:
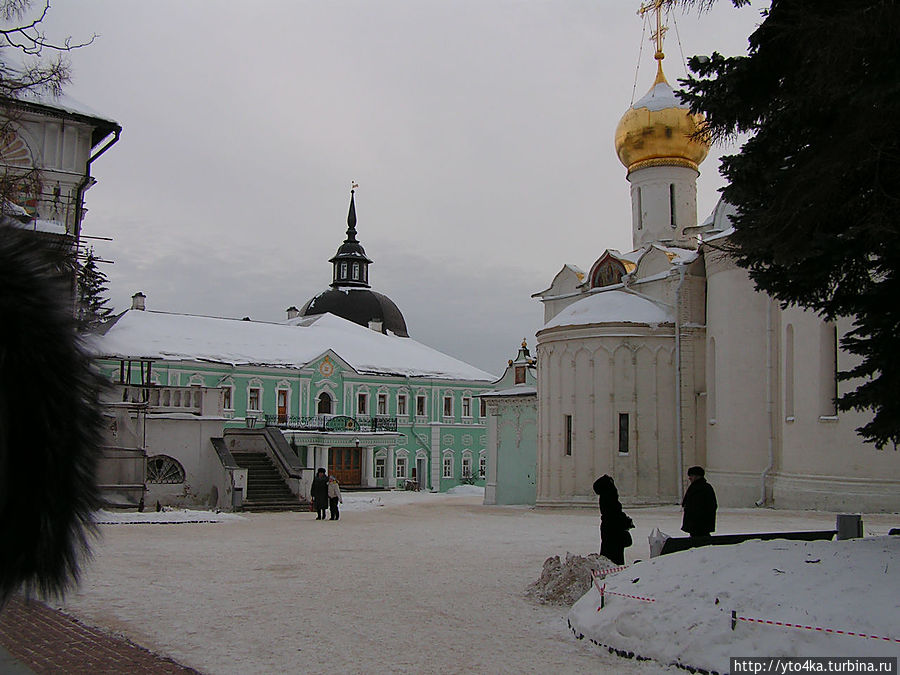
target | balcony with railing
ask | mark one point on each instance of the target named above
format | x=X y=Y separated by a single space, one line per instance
x=166 y=399
x=332 y=423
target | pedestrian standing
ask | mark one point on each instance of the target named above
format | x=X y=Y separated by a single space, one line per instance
x=699 y=505
x=614 y=522
x=319 y=493
x=334 y=496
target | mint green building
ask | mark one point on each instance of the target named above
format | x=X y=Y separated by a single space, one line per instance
x=340 y=380
x=512 y=409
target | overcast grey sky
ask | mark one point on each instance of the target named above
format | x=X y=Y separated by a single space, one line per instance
x=480 y=133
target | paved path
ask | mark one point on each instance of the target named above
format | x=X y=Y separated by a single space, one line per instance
x=37 y=639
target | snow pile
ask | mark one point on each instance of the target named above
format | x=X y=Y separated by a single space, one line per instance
x=563 y=583
x=466 y=490
x=677 y=609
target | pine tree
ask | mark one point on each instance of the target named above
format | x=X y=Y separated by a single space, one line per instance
x=93 y=305
x=817 y=185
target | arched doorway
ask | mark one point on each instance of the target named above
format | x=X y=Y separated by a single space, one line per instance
x=325 y=404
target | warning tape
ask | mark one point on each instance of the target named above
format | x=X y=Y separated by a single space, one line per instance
x=604 y=593
x=735 y=618
x=609 y=570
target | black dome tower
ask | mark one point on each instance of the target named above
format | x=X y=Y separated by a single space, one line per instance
x=350 y=296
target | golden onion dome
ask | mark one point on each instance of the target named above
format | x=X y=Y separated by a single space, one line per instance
x=658 y=130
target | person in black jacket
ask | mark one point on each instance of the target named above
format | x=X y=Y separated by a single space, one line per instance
x=318 y=491
x=614 y=523
x=699 y=505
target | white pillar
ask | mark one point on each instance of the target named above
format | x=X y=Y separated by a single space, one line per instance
x=369 y=466
x=390 y=471
x=436 y=463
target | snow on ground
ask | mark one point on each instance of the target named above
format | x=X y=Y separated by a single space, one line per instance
x=411 y=582
x=847 y=585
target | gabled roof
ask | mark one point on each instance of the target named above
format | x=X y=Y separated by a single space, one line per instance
x=138 y=334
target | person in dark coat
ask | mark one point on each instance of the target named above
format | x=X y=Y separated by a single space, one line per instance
x=614 y=523
x=319 y=493
x=699 y=505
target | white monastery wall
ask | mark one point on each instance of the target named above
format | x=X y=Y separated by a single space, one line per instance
x=738 y=426
x=824 y=463
x=593 y=374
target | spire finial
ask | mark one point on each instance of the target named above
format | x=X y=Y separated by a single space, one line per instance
x=351 y=215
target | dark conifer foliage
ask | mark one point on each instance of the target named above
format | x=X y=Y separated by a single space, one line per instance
x=817 y=185
x=93 y=305
x=50 y=424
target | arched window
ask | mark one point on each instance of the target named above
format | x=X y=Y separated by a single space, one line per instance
x=325 y=403
x=789 y=371
x=164 y=469
x=828 y=346
x=447 y=464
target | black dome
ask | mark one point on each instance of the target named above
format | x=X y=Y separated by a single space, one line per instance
x=359 y=305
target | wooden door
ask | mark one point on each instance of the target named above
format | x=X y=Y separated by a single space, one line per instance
x=345 y=464
x=282 y=406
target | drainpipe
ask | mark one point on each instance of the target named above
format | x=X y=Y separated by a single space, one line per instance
x=679 y=442
x=88 y=180
x=79 y=201
x=770 y=407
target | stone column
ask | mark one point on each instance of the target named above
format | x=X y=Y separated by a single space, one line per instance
x=390 y=471
x=369 y=466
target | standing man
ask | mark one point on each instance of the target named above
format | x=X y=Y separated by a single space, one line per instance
x=699 y=505
x=319 y=493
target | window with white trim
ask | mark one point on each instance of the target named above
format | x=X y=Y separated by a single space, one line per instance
x=401 y=405
x=466 y=406
x=254 y=396
x=448 y=406
x=448 y=465
x=228 y=397
x=382 y=403
x=482 y=465
x=420 y=405
x=362 y=403
x=483 y=407
x=467 y=465
x=401 y=466
x=379 y=467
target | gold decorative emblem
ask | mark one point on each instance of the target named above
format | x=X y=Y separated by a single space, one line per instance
x=326 y=367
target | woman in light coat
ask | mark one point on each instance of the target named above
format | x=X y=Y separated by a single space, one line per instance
x=334 y=496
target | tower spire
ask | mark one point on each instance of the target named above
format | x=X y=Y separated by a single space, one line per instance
x=351 y=215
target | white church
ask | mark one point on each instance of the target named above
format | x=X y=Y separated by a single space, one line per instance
x=665 y=356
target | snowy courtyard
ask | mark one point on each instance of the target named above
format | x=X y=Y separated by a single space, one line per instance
x=409 y=583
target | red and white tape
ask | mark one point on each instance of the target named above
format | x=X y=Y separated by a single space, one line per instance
x=608 y=570
x=785 y=624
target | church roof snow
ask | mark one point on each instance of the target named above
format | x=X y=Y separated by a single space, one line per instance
x=612 y=306
x=138 y=334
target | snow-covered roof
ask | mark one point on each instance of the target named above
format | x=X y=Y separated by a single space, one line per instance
x=719 y=223
x=613 y=306
x=164 y=336
x=660 y=97
x=63 y=103
x=516 y=390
